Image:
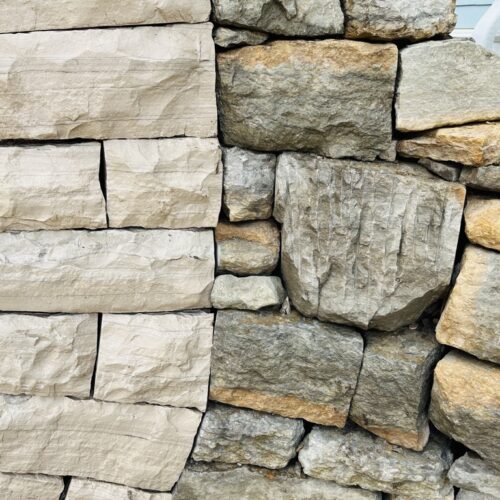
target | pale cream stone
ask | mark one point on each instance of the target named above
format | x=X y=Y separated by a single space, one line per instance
x=171 y=183
x=108 y=83
x=142 y=446
x=482 y=221
x=106 y=271
x=51 y=187
x=160 y=359
x=30 y=487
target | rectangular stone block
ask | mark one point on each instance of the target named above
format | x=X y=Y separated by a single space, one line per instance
x=106 y=271
x=169 y=183
x=30 y=487
x=108 y=84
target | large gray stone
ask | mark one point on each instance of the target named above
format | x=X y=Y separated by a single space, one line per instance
x=285 y=364
x=486 y=178
x=331 y=97
x=367 y=244
x=30 y=487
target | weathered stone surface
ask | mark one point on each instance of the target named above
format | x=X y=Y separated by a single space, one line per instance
x=487 y=178
x=433 y=78
x=168 y=183
x=394 y=386
x=30 y=487
x=47 y=355
x=247 y=248
x=229 y=38
x=292 y=95
x=34 y=15
x=248 y=184
x=106 y=271
x=447 y=171
x=353 y=457
x=233 y=435
x=399 y=19
x=472 y=495
x=159 y=359
x=471 y=319
x=465 y=403
x=367 y=244
x=472 y=145
x=282 y=17
x=108 y=84
x=51 y=187
x=252 y=292
x=90 y=439
x=471 y=473
x=285 y=364
x=482 y=221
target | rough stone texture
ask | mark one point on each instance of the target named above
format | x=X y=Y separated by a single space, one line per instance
x=30 y=487
x=473 y=474
x=465 y=403
x=282 y=17
x=51 y=187
x=170 y=183
x=233 y=435
x=394 y=386
x=448 y=172
x=252 y=293
x=285 y=364
x=248 y=184
x=472 y=145
x=292 y=95
x=482 y=221
x=353 y=457
x=158 y=359
x=106 y=271
x=108 y=83
x=228 y=38
x=399 y=19
x=142 y=446
x=471 y=319
x=35 y=15
x=487 y=178
x=367 y=244
x=247 y=248
x=47 y=355
x=433 y=78
x=472 y=495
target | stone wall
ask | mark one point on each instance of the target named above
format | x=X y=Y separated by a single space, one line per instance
x=256 y=258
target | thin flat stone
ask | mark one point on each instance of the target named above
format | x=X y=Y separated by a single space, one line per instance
x=448 y=172
x=229 y=38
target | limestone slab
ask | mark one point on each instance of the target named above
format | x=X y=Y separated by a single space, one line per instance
x=30 y=487
x=229 y=38
x=482 y=221
x=485 y=178
x=145 y=82
x=106 y=271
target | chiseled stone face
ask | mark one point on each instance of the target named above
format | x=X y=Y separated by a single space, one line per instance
x=30 y=487
x=51 y=187
x=106 y=271
x=482 y=221
x=108 y=83
x=366 y=244
x=142 y=446
x=331 y=97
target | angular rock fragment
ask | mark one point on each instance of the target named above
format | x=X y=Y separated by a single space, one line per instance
x=465 y=403
x=292 y=95
x=486 y=178
x=137 y=83
x=30 y=487
x=482 y=221
x=167 y=183
x=285 y=364
x=228 y=38
x=90 y=439
x=366 y=244
x=433 y=78
x=471 y=319
x=247 y=248
x=106 y=271
x=447 y=171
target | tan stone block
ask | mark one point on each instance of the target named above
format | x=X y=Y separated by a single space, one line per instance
x=482 y=221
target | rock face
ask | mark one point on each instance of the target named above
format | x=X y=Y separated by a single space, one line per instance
x=282 y=17
x=158 y=359
x=465 y=403
x=471 y=318
x=30 y=487
x=352 y=456
x=248 y=184
x=233 y=435
x=247 y=248
x=394 y=386
x=51 y=187
x=482 y=221
x=288 y=365
x=486 y=178
x=228 y=38
x=108 y=84
x=291 y=95
x=170 y=183
x=367 y=244
x=400 y=19
x=90 y=439
x=433 y=76
x=447 y=171
x=47 y=355
x=106 y=271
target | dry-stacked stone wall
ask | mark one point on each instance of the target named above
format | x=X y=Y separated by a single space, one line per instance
x=252 y=258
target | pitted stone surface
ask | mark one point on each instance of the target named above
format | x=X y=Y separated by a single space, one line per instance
x=482 y=221
x=30 y=487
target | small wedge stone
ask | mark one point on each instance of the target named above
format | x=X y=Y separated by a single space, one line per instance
x=448 y=172
x=482 y=221
x=30 y=487
x=229 y=38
